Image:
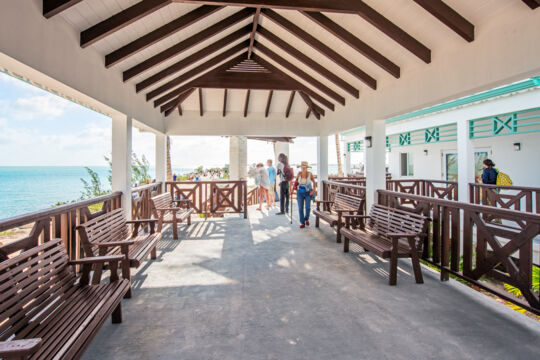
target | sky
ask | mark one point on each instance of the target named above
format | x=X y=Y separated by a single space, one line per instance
x=38 y=128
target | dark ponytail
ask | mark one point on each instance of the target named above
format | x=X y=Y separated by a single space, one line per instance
x=489 y=163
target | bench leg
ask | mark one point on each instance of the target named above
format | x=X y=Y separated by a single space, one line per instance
x=416 y=267
x=316 y=221
x=117 y=314
x=393 y=267
x=346 y=245
x=153 y=254
x=338 y=234
x=175 y=230
x=189 y=220
x=160 y=224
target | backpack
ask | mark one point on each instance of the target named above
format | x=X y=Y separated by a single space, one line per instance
x=503 y=179
x=288 y=173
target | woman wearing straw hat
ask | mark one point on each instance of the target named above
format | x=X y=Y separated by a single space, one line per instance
x=306 y=187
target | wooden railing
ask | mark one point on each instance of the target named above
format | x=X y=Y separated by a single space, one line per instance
x=141 y=206
x=464 y=242
x=212 y=197
x=506 y=197
x=58 y=222
x=439 y=189
x=253 y=196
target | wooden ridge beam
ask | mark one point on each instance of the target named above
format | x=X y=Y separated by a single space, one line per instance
x=289 y=104
x=55 y=7
x=449 y=17
x=121 y=20
x=246 y=104
x=253 y=31
x=533 y=4
x=354 y=42
x=159 y=34
x=201 y=110
x=187 y=43
x=268 y=102
x=291 y=50
x=394 y=32
x=193 y=72
x=300 y=73
x=322 y=48
x=224 y=102
x=338 y=6
x=193 y=58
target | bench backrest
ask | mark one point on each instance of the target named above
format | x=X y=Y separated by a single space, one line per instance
x=384 y=220
x=161 y=201
x=108 y=227
x=31 y=283
x=348 y=202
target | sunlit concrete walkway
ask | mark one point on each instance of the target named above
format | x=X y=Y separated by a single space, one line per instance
x=263 y=289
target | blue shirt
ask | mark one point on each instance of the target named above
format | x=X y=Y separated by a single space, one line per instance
x=272 y=174
x=489 y=176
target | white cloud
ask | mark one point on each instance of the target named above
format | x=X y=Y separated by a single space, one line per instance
x=39 y=107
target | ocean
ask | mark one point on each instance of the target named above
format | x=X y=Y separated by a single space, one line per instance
x=25 y=189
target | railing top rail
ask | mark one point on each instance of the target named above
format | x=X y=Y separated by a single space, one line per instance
x=207 y=182
x=27 y=218
x=430 y=180
x=337 y=183
x=145 y=186
x=466 y=206
x=506 y=187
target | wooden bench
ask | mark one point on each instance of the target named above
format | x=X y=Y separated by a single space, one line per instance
x=109 y=234
x=390 y=233
x=333 y=211
x=167 y=211
x=47 y=311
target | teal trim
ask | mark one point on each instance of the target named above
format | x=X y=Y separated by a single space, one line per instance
x=518 y=122
x=523 y=85
x=355 y=146
x=432 y=135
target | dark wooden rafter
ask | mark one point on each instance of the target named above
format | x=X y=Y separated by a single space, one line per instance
x=179 y=109
x=55 y=7
x=159 y=34
x=533 y=4
x=268 y=102
x=300 y=73
x=253 y=31
x=224 y=102
x=354 y=42
x=121 y=20
x=291 y=50
x=246 y=104
x=289 y=104
x=394 y=32
x=197 y=56
x=171 y=105
x=192 y=73
x=321 y=47
x=201 y=110
x=187 y=43
x=449 y=17
x=338 y=6
x=310 y=105
x=308 y=112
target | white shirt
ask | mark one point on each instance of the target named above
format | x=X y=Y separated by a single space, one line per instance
x=262 y=176
x=280 y=170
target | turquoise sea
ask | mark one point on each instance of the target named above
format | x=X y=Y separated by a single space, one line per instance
x=25 y=189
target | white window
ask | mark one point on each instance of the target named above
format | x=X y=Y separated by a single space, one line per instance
x=406 y=164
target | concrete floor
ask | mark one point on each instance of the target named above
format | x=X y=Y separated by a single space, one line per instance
x=263 y=289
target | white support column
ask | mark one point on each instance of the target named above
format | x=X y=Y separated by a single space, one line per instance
x=465 y=155
x=322 y=162
x=121 y=159
x=347 y=155
x=375 y=160
x=161 y=159
x=238 y=157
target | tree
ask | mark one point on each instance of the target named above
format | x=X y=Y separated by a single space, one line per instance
x=140 y=170
x=338 y=153
x=93 y=187
x=169 y=167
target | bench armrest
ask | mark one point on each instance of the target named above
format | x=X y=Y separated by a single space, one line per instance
x=356 y=216
x=169 y=209
x=97 y=259
x=324 y=202
x=19 y=349
x=343 y=210
x=183 y=201
x=114 y=243
x=403 y=235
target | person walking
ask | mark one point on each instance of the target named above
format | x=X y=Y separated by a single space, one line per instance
x=284 y=175
x=264 y=185
x=306 y=187
x=489 y=174
x=272 y=172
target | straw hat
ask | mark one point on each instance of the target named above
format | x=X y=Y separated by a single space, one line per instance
x=304 y=164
